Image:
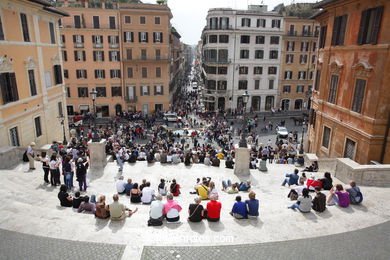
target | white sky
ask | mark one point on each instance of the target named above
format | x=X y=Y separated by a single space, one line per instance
x=189 y=16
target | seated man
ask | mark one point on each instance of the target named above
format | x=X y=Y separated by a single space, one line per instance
x=147 y=194
x=128 y=186
x=297 y=191
x=77 y=200
x=156 y=212
x=229 y=163
x=195 y=210
x=292 y=178
x=355 y=196
x=120 y=185
x=319 y=201
x=252 y=205
x=216 y=162
x=244 y=186
x=239 y=209
x=118 y=210
x=203 y=190
x=213 y=209
x=86 y=205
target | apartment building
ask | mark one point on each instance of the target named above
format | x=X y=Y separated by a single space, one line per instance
x=145 y=31
x=32 y=102
x=351 y=98
x=176 y=65
x=298 y=59
x=241 y=52
x=90 y=41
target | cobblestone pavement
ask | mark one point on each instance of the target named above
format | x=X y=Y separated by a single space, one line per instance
x=367 y=243
x=18 y=246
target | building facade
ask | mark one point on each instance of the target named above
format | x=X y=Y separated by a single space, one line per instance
x=176 y=65
x=298 y=59
x=241 y=52
x=351 y=99
x=32 y=103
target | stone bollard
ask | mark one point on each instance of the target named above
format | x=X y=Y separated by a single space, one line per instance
x=242 y=158
x=98 y=158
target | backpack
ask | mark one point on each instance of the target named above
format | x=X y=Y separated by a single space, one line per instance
x=25 y=158
x=359 y=196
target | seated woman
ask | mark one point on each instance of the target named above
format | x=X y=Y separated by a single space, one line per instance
x=141 y=155
x=213 y=209
x=252 y=205
x=171 y=209
x=339 y=197
x=239 y=210
x=244 y=186
x=135 y=194
x=162 y=188
x=212 y=189
x=188 y=159
x=303 y=203
x=64 y=197
x=175 y=188
x=229 y=187
x=101 y=211
x=326 y=181
x=195 y=210
x=229 y=163
x=86 y=205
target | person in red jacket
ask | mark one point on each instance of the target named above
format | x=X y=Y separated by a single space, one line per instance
x=175 y=188
x=213 y=209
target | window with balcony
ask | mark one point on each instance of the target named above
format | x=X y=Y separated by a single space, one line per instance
x=213 y=23
x=370 y=22
x=130 y=93
x=273 y=54
x=213 y=38
x=260 y=39
x=242 y=84
x=291 y=30
x=243 y=70
x=244 y=54
x=261 y=23
x=9 y=89
x=158 y=90
x=224 y=23
x=290 y=58
x=128 y=36
x=274 y=40
x=100 y=74
x=257 y=70
x=158 y=37
x=259 y=54
x=275 y=23
x=223 y=38
x=143 y=36
x=339 y=26
x=115 y=74
x=306 y=30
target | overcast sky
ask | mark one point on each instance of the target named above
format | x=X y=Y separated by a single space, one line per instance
x=189 y=16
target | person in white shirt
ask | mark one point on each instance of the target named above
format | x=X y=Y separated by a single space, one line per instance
x=156 y=212
x=120 y=185
x=120 y=157
x=30 y=155
x=147 y=194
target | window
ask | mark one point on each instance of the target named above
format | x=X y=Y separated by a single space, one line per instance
x=290 y=45
x=358 y=96
x=100 y=74
x=111 y=20
x=286 y=89
x=115 y=74
x=349 y=150
x=304 y=46
x=274 y=40
x=158 y=72
x=272 y=70
x=52 y=35
x=145 y=91
x=48 y=79
x=81 y=74
x=38 y=129
x=128 y=36
x=31 y=80
x=246 y=22
x=301 y=75
x=271 y=84
x=289 y=58
x=300 y=89
x=70 y=110
x=78 y=40
x=158 y=37
x=127 y=19
x=142 y=20
x=291 y=31
x=288 y=74
x=60 y=112
x=213 y=24
x=98 y=55
x=306 y=29
x=129 y=72
x=222 y=55
x=333 y=89
x=13 y=132
x=211 y=84
x=157 y=20
x=321 y=42
x=97 y=40
x=158 y=90
x=1 y=31
x=318 y=77
x=273 y=54
x=303 y=58
x=57 y=74
x=213 y=39
x=339 y=25
x=224 y=23
x=222 y=70
x=244 y=54
x=66 y=74
x=313 y=59
x=96 y=24
x=101 y=91
x=245 y=39
x=129 y=54
x=158 y=54
x=242 y=84
x=113 y=40
x=261 y=23
x=243 y=70
x=311 y=75
x=370 y=25
x=259 y=54
x=275 y=23
x=326 y=137
x=298 y=104
x=8 y=86
x=260 y=39
x=130 y=93
x=314 y=46
x=224 y=39
x=257 y=70
x=114 y=55
x=116 y=91
x=64 y=55
x=143 y=54
x=257 y=84
x=79 y=56
x=143 y=36
x=77 y=21
x=144 y=72
x=23 y=19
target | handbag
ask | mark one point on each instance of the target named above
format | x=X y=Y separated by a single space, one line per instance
x=194 y=211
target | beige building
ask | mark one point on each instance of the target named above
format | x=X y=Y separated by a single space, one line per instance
x=32 y=102
x=297 y=63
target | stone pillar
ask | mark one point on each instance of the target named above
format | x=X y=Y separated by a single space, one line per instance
x=98 y=158
x=242 y=159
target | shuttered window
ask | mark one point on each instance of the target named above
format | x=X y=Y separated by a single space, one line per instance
x=23 y=19
x=52 y=34
x=57 y=74
x=9 y=90
x=38 y=128
x=31 y=79
x=333 y=89
x=358 y=95
x=339 y=27
x=369 y=25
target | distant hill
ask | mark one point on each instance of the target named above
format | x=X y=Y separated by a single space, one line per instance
x=301 y=10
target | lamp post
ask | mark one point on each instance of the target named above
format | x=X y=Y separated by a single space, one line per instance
x=303 y=132
x=245 y=99
x=93 y=96
x=62 y=120
x=95 y=135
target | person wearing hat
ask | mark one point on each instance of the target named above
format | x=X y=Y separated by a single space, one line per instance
x=30 y=155
x=81 y=174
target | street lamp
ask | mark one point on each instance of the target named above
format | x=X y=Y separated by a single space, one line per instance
x=95 y=135
x=93 y=96
x=245 y=99
x=303 y=132
x=62 y=119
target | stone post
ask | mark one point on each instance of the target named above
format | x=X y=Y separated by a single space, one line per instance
x=242 y=159
x=98 y=158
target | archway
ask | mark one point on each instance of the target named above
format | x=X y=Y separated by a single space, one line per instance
x=256 y=103
x=269 y=102
x=285 y=104
x=298 y=104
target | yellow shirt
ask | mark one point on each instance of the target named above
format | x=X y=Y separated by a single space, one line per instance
x=220 y=156
x=202 y=191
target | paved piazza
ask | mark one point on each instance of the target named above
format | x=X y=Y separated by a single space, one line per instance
x=30 y=207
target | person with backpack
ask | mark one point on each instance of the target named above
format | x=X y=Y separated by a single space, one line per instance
x=81 y=174
x=355 y=196
x=319 y=201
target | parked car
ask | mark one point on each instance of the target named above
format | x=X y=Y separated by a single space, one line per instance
x=171 y=117
x=281 y=132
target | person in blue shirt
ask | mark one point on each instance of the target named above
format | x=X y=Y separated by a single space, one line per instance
x=239 y=209
x=292 y=178
x=252 y=205
x=128 y=186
